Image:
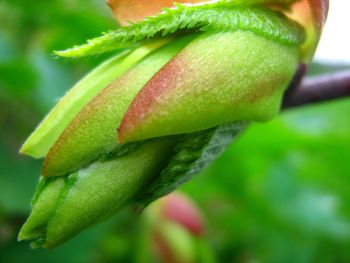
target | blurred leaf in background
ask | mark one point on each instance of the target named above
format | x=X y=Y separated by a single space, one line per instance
x=31 y=81
x=279 y=194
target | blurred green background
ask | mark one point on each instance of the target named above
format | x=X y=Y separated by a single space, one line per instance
x=280 y=193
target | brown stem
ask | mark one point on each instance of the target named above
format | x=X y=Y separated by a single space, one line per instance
x=317 y=89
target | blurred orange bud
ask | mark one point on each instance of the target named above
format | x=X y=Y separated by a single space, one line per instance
x=311 y=14
x=135 y=10
x=180 y=209
x=177 y=229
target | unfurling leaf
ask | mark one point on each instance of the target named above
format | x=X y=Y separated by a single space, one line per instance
x=188 y=81
x=219 y=16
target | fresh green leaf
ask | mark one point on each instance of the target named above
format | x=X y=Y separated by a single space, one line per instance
x=218 y=16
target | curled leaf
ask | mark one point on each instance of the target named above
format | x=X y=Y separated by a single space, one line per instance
x=217 y=16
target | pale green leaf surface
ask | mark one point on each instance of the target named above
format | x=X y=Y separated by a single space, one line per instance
x=218 y=78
